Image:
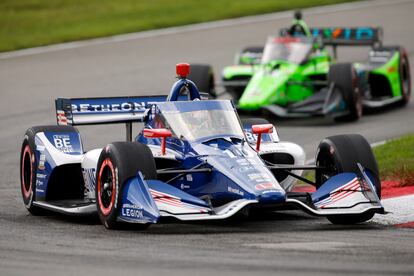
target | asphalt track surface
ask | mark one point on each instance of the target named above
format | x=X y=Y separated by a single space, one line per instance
x=288 y=242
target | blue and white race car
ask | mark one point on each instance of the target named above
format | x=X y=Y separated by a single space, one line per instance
x=193 y=160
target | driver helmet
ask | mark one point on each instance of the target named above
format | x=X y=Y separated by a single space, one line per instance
x=299 y=26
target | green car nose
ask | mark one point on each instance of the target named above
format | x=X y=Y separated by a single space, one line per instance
x=263 y=89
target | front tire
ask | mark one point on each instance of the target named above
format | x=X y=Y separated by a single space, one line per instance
x=345 y=78
x=117 y=163
x=340 y=154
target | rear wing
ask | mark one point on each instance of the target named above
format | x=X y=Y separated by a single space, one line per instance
x=338 y=36
x=90 y=111
x=357 y=36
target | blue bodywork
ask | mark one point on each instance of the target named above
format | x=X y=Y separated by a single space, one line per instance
x=236 y=170
x=65 y=142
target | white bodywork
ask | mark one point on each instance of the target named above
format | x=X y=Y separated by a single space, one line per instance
x=294 y=150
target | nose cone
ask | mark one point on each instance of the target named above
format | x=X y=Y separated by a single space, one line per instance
x=240 y=172
x=264 y=88
x=269 y=193
x=273 y=197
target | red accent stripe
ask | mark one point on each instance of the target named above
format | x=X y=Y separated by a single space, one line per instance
x=405 y=225
x=351 y=183
x=342 y=195
x=353 y=188
x=157 y=193
x=163 y=200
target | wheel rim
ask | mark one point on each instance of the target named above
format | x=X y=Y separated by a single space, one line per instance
x=27 y=172
x=405 y=79
x=106 y=187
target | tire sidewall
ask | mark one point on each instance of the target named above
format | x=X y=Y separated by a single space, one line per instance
x=108 y=219
x=405 y=93
x=28 y=200
x=356 y=96
x=345 y=79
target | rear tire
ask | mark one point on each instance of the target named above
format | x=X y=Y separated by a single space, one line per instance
x=405 y=77
x=340 y=154
x=118 y=162
x=29 y=165
x=254 y=121
x=203 y=76
x=344 y=76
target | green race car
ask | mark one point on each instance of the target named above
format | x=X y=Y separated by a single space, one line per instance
x=295 y=75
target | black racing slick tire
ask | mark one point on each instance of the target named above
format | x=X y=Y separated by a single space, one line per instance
x=203 y=76
x=29 y=164
x=344 y=78
x=405 y=77
x=118 y=162
x=339 y=154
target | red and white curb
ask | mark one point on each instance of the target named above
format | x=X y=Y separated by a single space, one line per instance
x=400 y=212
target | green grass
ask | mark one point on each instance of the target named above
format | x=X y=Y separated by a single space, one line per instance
x=396 y=160
x=29 y=23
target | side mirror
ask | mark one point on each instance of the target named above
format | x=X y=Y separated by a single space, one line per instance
x=259 y=130
x=158 y=133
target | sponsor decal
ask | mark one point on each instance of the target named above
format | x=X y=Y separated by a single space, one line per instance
x=259 y=177
x=243 y=162
x=265 y=186
x=359 y=33
x=42 y=160
x=39 y=183
x=62 y=143
x=246 y=168
x=41 y=175
x=40 y=148
x=252 y=138
x=183 y=186
x=246 y=161
x=252 y=161
x=132 y=211
x=235 y=191
x=189 y=177
x=116 y=186
x=123 y=107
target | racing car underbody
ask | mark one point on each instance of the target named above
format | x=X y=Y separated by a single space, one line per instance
x=194 y=160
